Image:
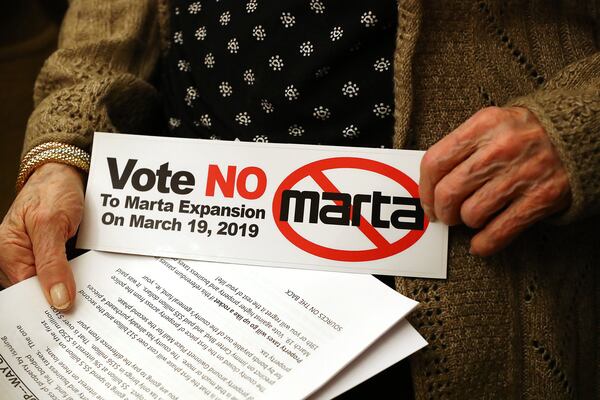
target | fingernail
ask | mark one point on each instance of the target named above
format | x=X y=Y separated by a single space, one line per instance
x=60 y=296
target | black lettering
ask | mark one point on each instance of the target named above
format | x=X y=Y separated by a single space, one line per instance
x=357 y=205
x=342 y=209
x=300 y=198
x=136 y=179
x=163 y=173
x=118 y=182
x=417 y=214
x=378 y=200
x=347 y=209
x=182 y=182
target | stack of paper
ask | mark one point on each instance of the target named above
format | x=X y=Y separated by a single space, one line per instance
x=153 y=328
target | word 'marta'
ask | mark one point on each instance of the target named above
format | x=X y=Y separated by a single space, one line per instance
x=347 y=209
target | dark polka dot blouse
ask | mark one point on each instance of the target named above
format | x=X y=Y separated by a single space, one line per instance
x=296 y=71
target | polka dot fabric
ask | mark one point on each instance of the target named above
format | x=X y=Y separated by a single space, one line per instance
x=310 y=71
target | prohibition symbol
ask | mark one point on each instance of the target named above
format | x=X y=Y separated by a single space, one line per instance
x=383 y=248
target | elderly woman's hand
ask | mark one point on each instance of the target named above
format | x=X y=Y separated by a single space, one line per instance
x=45 y=214
x=497 y=172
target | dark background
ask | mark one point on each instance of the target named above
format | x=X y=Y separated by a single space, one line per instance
x=28 y=35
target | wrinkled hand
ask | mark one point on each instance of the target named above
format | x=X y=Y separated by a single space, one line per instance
x=45 y=214
x=497 y=172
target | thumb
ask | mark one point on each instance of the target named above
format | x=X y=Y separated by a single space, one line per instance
x=52 y=267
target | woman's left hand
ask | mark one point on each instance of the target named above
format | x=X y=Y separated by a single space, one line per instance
x=497 y=172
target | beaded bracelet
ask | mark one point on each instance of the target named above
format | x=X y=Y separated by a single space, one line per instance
x=52 y=152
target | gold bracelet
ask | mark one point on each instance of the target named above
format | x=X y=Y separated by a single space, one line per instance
x=52 y=152
x=38 y=149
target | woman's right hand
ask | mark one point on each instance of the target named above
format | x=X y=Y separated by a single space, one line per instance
x=45 y=214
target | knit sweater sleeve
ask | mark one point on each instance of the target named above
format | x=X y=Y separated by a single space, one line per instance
x=568 y=107
x=97 y=80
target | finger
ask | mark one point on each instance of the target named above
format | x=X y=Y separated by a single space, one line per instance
x=521 y=214
x=489 y=199
x=444 y=156
x=4 y=281
x=464 y=180
x=501 y=157
x=501 y=230
x=53 y=270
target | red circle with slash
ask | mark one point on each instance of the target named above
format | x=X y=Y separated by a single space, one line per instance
x=383 y=248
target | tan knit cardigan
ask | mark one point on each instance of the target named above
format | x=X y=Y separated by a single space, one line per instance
x=521 y=324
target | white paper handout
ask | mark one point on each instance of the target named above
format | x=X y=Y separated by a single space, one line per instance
x=317 y=207
x=395 y=345
x=155 y=328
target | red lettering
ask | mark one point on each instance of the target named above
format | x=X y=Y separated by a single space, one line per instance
x=261 y=183
x=228 y=184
